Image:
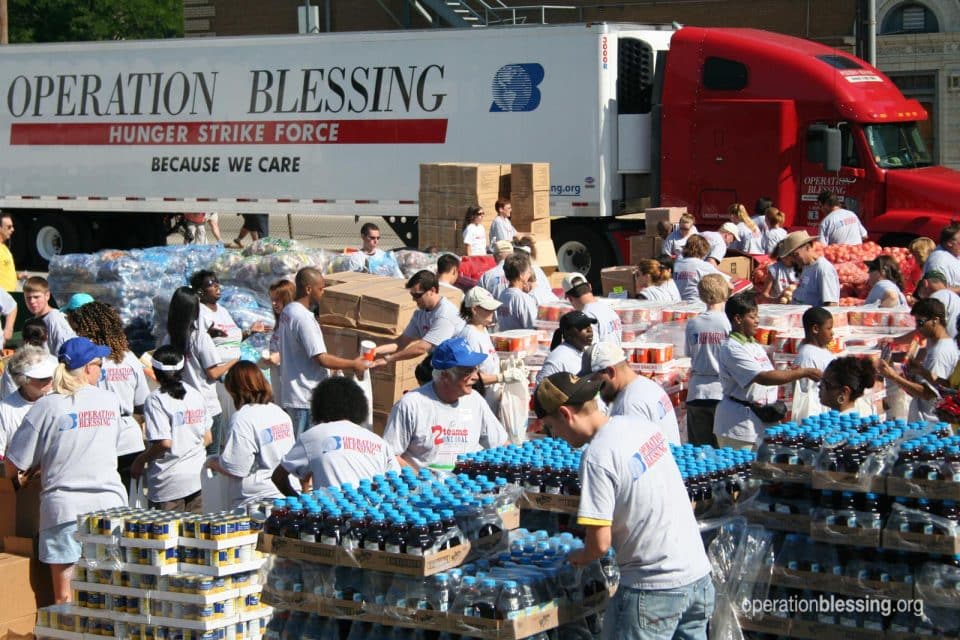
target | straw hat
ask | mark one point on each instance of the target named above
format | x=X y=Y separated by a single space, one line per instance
x=792 y=242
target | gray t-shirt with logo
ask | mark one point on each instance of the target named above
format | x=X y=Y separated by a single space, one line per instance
x=435 y=325
x=300 y=340
x=183 y=422
x=632 y=483
x=73 y=439
x=338 y=452
x=258 y=438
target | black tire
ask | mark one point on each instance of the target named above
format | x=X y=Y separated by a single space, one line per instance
x=54 y=234
x=582 y=247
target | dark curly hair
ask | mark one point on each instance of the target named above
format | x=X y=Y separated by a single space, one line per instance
x=101 y=323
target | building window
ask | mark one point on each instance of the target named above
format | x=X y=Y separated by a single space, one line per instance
x=910 y=17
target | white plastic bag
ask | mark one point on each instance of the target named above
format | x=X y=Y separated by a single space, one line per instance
x=214 y=491
x=515 y=410
x=806 y=403
x=136 y=498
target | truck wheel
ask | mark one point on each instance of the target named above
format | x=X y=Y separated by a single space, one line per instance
x=582 y=249
x=54 y=234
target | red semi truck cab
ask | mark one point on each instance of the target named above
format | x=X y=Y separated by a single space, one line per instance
x=747 y=113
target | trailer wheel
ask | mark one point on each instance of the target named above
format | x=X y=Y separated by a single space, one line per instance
x=54 y=234
x=581 y=249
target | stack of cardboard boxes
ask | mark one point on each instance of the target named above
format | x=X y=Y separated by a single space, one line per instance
x=530 y=197
x=361 y=306
x=649 y=245
x=447 y=190
x=26 y=584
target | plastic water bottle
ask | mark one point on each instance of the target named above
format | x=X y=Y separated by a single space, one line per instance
x=611 y=570
x=440 y=592
x=313 y=629
x=466 y=601
x=486 y=604
x=509 y=601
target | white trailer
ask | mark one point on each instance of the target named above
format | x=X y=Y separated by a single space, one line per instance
x=328 y=124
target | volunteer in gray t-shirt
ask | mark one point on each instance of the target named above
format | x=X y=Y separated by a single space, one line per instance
x=435 y=320
x=71 y=436
x=304 y=360
x=203 y=365
x=259 y=435
x=633 y=500
x=704 y=336
x=432 y=425
x=519 y=308
x=579 y=293
x=178 y=429
x=576 y=333
x=336 y=449
x=819 y=284
x=36 y=296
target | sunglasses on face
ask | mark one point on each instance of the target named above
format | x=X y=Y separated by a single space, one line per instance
x=417 y=295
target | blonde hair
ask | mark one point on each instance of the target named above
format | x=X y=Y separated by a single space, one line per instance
x=688 y=217
x=922 y=247
x=654 y=270
x=713 y=288
x=774 y=217
x=67 y=382
x=740 y=212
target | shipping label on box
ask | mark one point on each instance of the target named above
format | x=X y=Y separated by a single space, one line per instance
x=529 y=177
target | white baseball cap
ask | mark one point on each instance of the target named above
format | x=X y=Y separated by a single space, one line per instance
x=42 y=369
x=601 y=356
x=572 y=281
x=730 y=228
x=480 y=297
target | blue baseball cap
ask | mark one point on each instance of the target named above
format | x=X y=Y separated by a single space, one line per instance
x=76 y=301
x=455 y=352
x=77 y=352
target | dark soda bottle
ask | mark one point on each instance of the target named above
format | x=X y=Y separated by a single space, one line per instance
x=396 y=537
x=310 y=532
x=331 y=531
x=278 y=514
x=419 y=540
x=373 y=537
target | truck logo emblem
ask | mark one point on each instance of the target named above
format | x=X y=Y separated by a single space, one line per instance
x=514 y=88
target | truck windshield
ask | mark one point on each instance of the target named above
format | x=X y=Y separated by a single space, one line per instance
x=897 y=145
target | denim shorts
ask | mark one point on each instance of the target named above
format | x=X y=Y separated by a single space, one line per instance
x=649 y=614
x=58 y=544
x=300 y=419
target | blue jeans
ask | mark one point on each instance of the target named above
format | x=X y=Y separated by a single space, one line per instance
x=638 y=614
x=300 y=418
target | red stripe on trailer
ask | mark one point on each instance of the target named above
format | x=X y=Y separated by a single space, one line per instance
x=407 y=202
x=318 y=201
x=579 y=204
x=170 y=199
x=246 y=199
x=233 y=132
x=66 y=197
x=285 y=200
x=205 y=199
x=134 y=198
x=366 y=202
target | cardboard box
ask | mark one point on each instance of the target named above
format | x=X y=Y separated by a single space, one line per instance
x=556 y=279
x=549 y=502
x=614 y=280
x=379 y=422
x=17 y=597
x=777 y=472
x=477 y=178
x=19 y=628
x=529 y=207
x=839 y=481
x=657 y=214
x=919 y=488
x=388 y=390
x=340 y=341
x=8 y=508
x=529 y=177
x=921 y=542
x=836 y=534
x=428 y=204
x=645 y=248
x=429 y=176
x=343 y=300
x=538 y=228
x=737 y=267
x=19 y=509
x=407 y=564
x=388 y=312
x=546 y=254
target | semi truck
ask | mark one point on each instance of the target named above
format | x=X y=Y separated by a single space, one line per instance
x=628 y=116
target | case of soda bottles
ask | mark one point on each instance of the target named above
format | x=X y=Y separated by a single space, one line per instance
x=416 y=524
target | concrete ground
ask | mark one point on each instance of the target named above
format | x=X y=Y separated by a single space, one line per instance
x=325 y=232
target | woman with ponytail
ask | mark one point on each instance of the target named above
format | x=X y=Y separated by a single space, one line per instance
x=71 y=436
x=656 y=280
x=751 y=237
x=178 y=430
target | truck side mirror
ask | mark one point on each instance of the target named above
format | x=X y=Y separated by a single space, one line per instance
x=831 y=162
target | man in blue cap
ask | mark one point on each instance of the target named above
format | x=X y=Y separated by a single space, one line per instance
x=432 y=425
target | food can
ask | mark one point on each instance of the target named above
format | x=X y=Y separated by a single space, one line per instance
x=205 y=612
x=243 y=526
x=130 y=527
x=189 y=527
x=203 y=528
x=159 y=530
x=231 y=527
